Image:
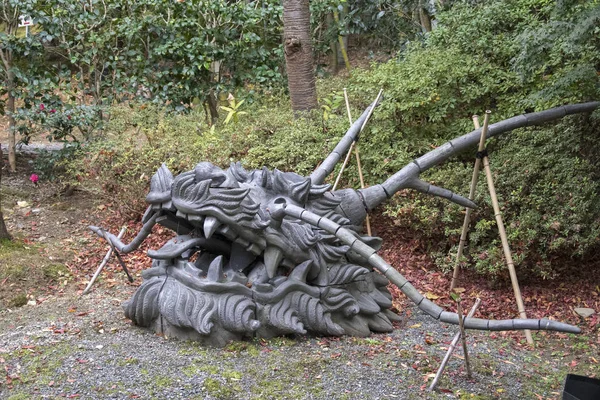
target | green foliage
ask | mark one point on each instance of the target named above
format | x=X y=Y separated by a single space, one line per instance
x=547 y=192
x=233 y=112
x=50 y=164
x=545 y=177
x=564 y=50
x=331 y=104
x=139 y=138
x=81 y=57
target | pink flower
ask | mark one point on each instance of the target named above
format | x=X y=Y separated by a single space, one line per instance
x=42 y=107
x=68 y=117
x=52 y=111
x=34 y=178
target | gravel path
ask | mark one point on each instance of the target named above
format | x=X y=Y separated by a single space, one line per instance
x=66 y=346
x=84 y=348
x=34 y=148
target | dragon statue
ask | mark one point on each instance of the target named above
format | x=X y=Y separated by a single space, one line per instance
x=266 y=253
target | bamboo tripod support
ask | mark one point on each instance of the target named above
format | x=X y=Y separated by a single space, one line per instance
x=467 y=221
x=102 y=264
x=354 y=146
x=498 y=215
x=463 y=336
x=440 y=370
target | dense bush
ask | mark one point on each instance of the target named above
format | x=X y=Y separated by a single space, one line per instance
x=137 y=139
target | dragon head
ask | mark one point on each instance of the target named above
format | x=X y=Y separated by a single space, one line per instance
x=230 y=212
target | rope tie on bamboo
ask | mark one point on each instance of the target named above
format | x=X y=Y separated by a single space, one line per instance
x=481 y=154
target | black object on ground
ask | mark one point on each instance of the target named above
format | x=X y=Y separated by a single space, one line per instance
x=579 y=387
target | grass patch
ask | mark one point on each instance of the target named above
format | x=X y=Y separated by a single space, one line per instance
x=55 y=271
x=18 y=301
x=39 y=365
x=12 y=193
x=296 y=378
x=163 y=381
x=240 y=347
x=219 y=389
x=25 y=269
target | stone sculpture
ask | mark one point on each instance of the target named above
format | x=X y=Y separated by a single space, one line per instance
x=265 y=253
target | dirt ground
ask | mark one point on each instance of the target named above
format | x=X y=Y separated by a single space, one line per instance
x=56 y=344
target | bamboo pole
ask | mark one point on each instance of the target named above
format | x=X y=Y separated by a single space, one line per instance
x=467 y=221
x=354 y=146
x=463 y=337
x=362 y=186
x=102 y=264
x=440 y=370
x=505 y=247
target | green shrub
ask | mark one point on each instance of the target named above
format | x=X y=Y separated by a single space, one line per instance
x=546 y=178
x=137 y=139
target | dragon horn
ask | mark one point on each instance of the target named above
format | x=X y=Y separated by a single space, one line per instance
x=408 y=177
x=425 y=305
x=327 y=166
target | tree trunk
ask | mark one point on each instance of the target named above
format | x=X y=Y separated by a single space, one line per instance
x=424 y=17
x=425 y=20
x=3 y=231
x=298 y=55
x=213 y=104
x=333 y=61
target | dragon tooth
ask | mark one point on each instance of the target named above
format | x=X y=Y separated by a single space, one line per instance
x=181 y=215
x=210 y=226
x=254 y=249
x=196 y=220
x=273 y=257
x=301 y=271
x=242 y=241
x=215 y=270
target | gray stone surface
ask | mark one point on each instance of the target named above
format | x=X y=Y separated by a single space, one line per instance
x=585 y=312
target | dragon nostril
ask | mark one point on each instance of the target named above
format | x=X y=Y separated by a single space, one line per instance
x=276 y=210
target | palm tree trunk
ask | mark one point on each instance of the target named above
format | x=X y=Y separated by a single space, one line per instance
x=298 y=55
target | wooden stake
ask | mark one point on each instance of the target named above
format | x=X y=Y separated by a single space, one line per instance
x=440 y=370
x=463 y=337
x=102 y=264
x=502 y=231
x=467 y=220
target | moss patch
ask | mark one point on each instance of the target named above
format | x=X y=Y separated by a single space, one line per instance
x=38 y=365
x=296 y=378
